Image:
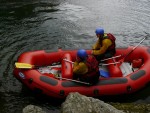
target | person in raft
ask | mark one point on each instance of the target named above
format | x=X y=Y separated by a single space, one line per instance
x=86 y=68
x=105 y=47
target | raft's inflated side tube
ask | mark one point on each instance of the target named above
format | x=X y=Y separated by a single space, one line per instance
x=67 y=69
x=114 y=69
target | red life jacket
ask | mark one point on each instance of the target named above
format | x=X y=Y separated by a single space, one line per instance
x=92 y=64
x=112 y=38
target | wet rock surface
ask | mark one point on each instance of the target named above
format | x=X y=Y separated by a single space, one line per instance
x=32 y=109
x=77 y=103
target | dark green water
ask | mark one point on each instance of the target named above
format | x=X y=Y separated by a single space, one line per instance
x=27 y=25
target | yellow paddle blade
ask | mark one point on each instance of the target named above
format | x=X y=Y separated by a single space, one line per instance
x=23 y=65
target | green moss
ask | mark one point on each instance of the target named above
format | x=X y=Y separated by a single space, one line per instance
x=132 y=107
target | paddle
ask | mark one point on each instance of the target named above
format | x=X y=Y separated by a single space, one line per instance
x=27 y=66
x=133 y=49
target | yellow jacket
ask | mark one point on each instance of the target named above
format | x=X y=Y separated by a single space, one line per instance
x=80 y=68
x=101 y=49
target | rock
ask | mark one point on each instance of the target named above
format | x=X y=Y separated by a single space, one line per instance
x=77 y=103
x=32 y=109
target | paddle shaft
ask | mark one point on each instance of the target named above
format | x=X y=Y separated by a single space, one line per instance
x=77 y=81
x=110 y=63
x=135 y=47
x=111 y=58
x=100 y=64
x=68 y=61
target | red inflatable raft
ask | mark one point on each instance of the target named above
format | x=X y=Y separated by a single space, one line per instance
x=47 y=72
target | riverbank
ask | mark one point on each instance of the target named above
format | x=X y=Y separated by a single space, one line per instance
x=77 y=103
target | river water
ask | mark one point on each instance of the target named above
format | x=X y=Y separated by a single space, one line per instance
x=27 y=25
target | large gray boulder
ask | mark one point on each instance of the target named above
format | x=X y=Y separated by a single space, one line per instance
x=77 y=103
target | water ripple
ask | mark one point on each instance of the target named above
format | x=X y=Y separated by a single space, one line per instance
x=50 y=24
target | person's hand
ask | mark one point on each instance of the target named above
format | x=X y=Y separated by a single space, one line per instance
x=92 y=51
